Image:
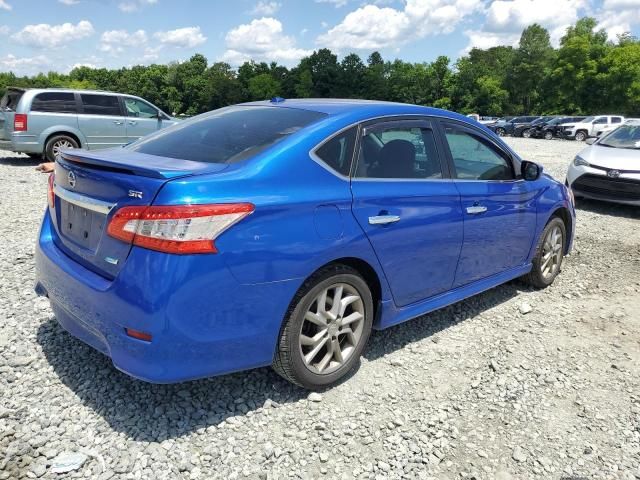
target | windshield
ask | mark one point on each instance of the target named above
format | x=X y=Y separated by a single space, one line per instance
x=626 y=136
x=226 y=135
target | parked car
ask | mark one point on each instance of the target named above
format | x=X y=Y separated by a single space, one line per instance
x=507 y=127
x=483 y=120
x=45 y=121
x=553 y=128
x=609 y=169
x=590 y=126
x=255 y=235
x=524 y=129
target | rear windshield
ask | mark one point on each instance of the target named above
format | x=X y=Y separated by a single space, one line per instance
x=10 y=99
x=226 y=135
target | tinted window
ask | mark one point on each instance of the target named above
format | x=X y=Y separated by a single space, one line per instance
x=226 y=135
x=399 y=152
x=337 y=153
x=600 y=120
x=54 y=102
x=100 y=104
x=616 y=120
x=475 y=158
x=140 y=109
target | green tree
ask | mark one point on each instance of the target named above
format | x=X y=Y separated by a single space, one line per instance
x=263 y=86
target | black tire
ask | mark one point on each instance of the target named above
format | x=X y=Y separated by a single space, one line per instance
x=526 y=133
x=548 y=135
x=535 y=277
x=54 y=142
x=581 y=136
x=288 y=361
x=501 y=132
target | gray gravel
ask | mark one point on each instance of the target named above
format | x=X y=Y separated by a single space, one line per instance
x=512 y=384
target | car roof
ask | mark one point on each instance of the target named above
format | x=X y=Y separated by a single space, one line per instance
x=359 y=108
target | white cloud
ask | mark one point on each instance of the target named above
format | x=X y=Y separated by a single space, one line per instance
x=372 y=27
x=187 y=37
x=5 y=30
x=262 y=39
x=4 y=5
x=25 y=65
x=69 y=2
x=130 y=6
x=619 y=16
x=264 y=8
x=44 y=35
x=117 y=41
x=335 y=3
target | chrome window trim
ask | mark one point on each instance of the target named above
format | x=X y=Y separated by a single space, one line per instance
x=83 y=201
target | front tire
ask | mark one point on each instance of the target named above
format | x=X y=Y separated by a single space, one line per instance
x=326 y=328
x=581 y=136
x=526 y=133
x=549 y=254
x=56 y=144
x=548 y=135
x=501 y=132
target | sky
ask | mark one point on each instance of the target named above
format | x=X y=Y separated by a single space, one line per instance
x=44 y=35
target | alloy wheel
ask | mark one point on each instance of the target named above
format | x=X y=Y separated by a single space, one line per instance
x=332 y=328
x=526 y=133
x=552 y=252
x=60 y=145
x=548 y=136
x=501 y=132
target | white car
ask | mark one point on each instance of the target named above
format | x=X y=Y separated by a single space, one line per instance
x=590 y=126
x=609 y=169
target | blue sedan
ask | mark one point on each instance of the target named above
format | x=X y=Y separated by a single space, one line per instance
x=281 y=233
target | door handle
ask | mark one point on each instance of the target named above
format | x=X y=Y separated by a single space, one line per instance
x=383 y=219
x=476 y=209
x=132 y=122
x=117 y=122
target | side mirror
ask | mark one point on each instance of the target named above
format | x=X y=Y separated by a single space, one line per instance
x=530 y=170
x=591 y=140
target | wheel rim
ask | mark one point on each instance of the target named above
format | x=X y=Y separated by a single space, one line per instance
x=548 y=135
x=579 y=137
x=526 y=134
x=332 y=328
x=500 y=132
x=59 y=145
x=551 y=252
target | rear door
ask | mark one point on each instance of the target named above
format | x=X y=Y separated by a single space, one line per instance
x=499 y=208
x=408 y=207
x=142 y=118
x=102 y=121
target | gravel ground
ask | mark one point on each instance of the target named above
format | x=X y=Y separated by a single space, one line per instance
x=478 y=390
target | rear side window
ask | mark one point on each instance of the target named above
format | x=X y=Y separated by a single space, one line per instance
x=54 y=102
x=402 y=152
x=226 y=135
x=616 y=120
x=100 y=104
x=337 y=153
x=10 y=99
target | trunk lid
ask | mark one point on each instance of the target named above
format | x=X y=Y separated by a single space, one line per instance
x=91 y=186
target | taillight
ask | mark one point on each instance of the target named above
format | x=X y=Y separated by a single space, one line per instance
x=19 y=122
x=179 y=229
x=51 y=195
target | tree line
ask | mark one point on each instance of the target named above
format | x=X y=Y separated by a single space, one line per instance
x=586 y=74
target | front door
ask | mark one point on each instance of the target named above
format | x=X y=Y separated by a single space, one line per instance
x=408 y=208
x=499 y=208
x=142 y=118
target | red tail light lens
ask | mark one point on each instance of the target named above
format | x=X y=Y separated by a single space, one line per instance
x=181 y=229
x=51 y=196
x=19 y=122
x=147 y=337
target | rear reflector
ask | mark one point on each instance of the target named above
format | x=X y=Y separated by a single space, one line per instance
x=20 y=122
x=51 y=196
x=181 y=229
x=138 y=334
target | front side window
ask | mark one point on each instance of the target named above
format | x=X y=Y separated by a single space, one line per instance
x=226 y=135
x=337 y=153
x=140 y=109
x=399 y=152
x=475 y=158
x=100 y=104
x=600 y=121
x=54 y=102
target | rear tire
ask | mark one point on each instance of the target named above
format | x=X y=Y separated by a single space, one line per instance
x=547 y=261
x=57 y=143
x=317 y=348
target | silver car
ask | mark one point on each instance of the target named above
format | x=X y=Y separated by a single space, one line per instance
x=44 y=121
x=609 y=169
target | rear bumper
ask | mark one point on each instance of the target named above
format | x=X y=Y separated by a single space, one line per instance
x=23 y=144
x=6 y=145
x=203 y=321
